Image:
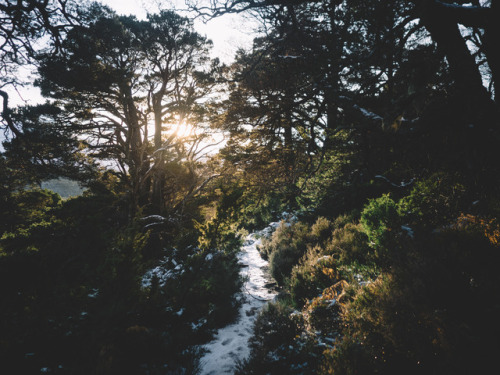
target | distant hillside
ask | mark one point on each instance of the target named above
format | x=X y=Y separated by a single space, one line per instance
x=64 y=187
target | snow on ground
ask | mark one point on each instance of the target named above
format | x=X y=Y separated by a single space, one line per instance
x=230 y=344
x=162 y=272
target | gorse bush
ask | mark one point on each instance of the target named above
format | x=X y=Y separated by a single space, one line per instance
x=306 y=259
x=346 y=255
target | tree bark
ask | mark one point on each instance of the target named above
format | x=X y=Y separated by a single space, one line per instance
x=6 y=114
x=157 y=200
x=491 y=42
x=135 y=150
x=444 y=30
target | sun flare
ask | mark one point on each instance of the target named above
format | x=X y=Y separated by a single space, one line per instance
x=183 y=129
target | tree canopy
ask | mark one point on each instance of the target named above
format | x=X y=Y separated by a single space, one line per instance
x=127 y=83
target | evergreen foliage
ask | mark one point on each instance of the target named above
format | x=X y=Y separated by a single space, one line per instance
x=376 y=124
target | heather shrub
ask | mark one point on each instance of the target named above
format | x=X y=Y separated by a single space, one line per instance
x=350 y=245
x=289 y=243
x=314 y=273
x=321 y=231
x=286 y=246
x=422 y=315
x=434 y=202
x=324 y=313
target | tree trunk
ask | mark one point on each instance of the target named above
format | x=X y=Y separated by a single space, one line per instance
x=158 y=176
x=491 y=41
x=135 y=149
x=473 y=98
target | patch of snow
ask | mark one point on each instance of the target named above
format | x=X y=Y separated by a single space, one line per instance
x=151 y=225
x=457 y=6
x=154 y=218
x=475 y=202
x=248 y=242
x=368 y=114
x=273 y=357
x=289 y=217
x=44 y=369
x=325 y=257
x=401 y=184
x=200 y=323
x=162 y=273
x=408 y=230
x=230 y=344
x=273 y=225
x=180 y=312
x=93 y=293
x=209 y=257
x=329 y=339
x=296 y=367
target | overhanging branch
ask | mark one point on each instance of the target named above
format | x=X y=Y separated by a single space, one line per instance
x=6 y=114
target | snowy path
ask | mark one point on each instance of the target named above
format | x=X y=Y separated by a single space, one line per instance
x=230 y=344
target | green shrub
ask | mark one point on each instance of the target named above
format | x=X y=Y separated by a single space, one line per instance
x=287 y=245
x=348 y=357
x=321 y=231
x=206 y=288
x=434 y=202
x=379 y=218
x=435 y=313
x=386 y=233
x=350 y=245
x=259 y=211
x=290 y=242
x=280 y=344
x=27 y=207
x=314 y=273
x=282 y=261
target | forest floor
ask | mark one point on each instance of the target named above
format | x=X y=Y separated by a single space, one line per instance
x=230 y=344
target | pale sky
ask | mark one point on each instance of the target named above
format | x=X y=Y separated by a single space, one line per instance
x=228 y=32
